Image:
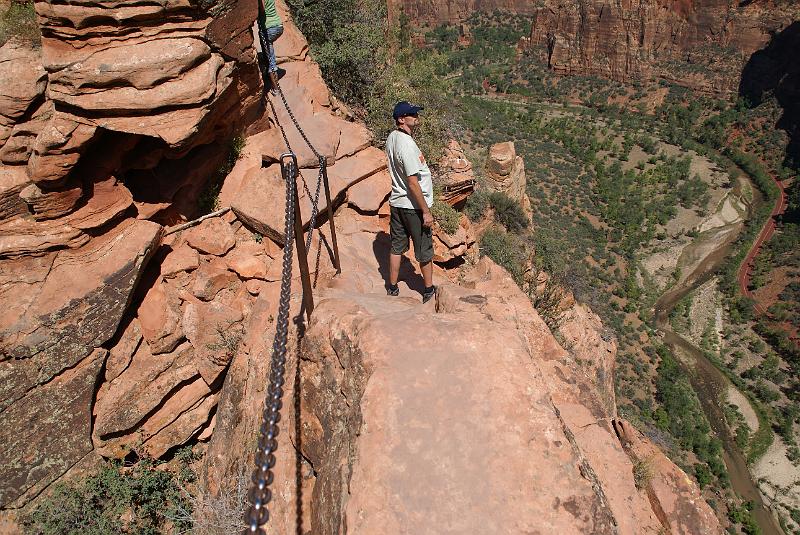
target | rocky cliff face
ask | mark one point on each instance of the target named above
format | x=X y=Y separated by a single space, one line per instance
x=119 y=334
x=703 y=44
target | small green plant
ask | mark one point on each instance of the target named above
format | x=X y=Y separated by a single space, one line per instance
x=143 y=499
x=508 y=212
x=506 y=249
x=447 y=216
x=643 y=473
x=477 y=204
x=19 y=20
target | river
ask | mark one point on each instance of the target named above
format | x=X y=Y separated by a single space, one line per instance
x=710 y=383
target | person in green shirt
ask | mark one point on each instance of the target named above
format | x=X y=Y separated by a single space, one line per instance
x=274 y=28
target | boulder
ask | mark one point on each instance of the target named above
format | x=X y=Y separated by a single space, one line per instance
x=215 y=331
x=370 y=193
x=212 y=236
x=183 y=258
x=160 y=318
x=248 y=261
x=210 y=279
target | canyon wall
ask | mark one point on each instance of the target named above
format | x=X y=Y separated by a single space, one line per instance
x=703 y=44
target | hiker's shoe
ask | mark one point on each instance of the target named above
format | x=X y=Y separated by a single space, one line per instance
x=392 y=290
x=428 y=294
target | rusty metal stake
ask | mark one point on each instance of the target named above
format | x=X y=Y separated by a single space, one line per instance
x=336 y=261
x=302 y=255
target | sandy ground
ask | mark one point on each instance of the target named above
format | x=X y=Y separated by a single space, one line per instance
x=779 y=479
x=706 y=308
x=737 y=398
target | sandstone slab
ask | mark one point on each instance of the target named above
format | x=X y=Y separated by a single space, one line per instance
x=160 y=318
x=182 y=258
x=75 y=304
x=48 y=431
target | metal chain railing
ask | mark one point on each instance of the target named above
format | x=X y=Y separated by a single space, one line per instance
x=259 y=494
x=263 y=476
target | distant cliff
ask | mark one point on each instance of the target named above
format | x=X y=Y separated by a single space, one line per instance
x=702 y=44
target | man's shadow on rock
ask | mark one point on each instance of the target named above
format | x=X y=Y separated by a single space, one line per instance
x=408 y=274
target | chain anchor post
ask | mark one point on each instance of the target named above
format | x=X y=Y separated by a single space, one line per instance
x=324 y=167
x=288 y=162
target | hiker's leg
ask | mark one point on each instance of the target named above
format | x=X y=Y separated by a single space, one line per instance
x=394 y=268
x=427 y=273
x=272 y=35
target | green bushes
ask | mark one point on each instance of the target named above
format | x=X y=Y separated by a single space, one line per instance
x=370 y=67
x=507 y=211
x=507 y=250
x=19 y=20
x=151 y=498
x=447 y=216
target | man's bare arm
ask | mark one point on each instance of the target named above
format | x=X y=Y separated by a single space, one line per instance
x=415 y=191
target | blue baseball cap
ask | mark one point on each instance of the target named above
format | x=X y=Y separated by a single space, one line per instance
x=403 y=108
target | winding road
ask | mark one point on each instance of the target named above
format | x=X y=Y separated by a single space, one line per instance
x=746 y=269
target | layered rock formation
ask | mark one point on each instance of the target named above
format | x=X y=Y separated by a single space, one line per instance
x=109 y=129
x=703 y=44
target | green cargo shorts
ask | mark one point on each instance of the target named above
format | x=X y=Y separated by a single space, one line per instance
x=405 y=223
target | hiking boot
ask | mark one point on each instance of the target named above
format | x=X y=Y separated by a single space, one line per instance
x=393 y=290
x=428 y=294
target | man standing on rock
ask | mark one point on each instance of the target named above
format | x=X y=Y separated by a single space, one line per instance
x=411 y=199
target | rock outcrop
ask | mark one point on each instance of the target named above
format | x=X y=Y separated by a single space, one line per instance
x=505 y=173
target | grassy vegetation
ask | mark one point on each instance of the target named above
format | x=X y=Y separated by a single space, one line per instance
x=145 y=498
x=18 y=20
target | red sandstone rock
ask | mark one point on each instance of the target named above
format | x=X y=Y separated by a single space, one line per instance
x=183 y=258
x=12 y=181
x=46 y=432
x=449 y=246
x=58 y=148
x=210 y=279
x=246 y=261
x=51 y=204
x=22 y=79
x=215 y=331
x=127 y=400
x=21 y=237
x=108 y=200
x=212 y=236
x=160 y=319
x=370 y=193
x=121 y=354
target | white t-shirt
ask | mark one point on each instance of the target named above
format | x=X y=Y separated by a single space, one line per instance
x=405 y=159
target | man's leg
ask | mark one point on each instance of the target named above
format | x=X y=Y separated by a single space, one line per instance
x=427 y=273
x=394 y=268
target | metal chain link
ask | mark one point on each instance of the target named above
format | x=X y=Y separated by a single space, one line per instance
x=263 y=476
x=259 y=494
